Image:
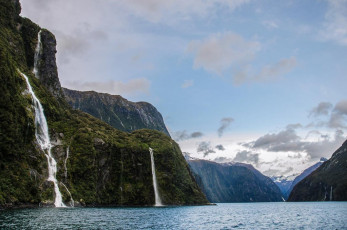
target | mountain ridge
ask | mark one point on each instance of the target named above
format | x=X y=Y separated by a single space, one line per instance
x=233 y=182
x=116 y=110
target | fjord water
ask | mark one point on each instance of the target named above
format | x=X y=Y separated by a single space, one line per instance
x=42 y=137
x=280 y=215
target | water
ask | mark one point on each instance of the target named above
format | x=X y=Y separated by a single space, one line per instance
x=281 y=215
x=37 y=55
x=155 y=185
x=65 y=161
x=42 y=137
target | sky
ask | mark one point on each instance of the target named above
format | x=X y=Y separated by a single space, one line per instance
x=259 y=82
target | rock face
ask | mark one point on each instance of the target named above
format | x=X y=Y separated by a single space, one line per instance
x=327 y=182
x=224 y=183
x=117 y=111
x=47 y=64
x=99 y=164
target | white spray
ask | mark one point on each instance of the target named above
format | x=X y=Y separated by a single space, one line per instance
x=42 y=137
x=155 y=185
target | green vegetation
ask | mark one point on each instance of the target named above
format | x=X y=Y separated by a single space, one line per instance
x=105 y=166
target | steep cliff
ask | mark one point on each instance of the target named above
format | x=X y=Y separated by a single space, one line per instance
x=237 y=182
x=327 y=183
x=117 y=111
x=96 y=163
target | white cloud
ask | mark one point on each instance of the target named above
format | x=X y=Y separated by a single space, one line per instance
x=221 y=51
x=267 y=73
x=132 y=87
x=335 y=27
x=270 y=24
x=187 y=83
x=169 y=11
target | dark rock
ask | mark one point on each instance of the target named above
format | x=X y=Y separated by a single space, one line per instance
x=117 y=111
x=48 y=73
x=233 y=182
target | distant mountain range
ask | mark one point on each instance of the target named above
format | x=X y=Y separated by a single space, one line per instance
x=286 y=184
x=283 y=184
x=117 y=111
x=327 y=182
x=233 y=182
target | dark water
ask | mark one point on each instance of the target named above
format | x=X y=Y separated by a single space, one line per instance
x=315 y=215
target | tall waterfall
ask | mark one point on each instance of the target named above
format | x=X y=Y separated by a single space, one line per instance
x=37 y=55
x=42 y=137
x=155 y=185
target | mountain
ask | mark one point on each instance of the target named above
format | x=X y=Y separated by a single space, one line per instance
x=304 y=174
x=283 y=183
x=233 y=182
x=327 y=182
x=286 y=184
x=51 y=154
x=117 y=111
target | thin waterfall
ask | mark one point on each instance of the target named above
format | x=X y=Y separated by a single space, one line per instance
x=42 y=137
x=331 y=193
x=155 y=185
x=37 y=55
x=67 y=156
x=72 y=202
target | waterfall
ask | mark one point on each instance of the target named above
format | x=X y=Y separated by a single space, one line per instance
x=155 y=185
x=37 y=55
x=67 y=156
x=72 y=202
x=42 y=137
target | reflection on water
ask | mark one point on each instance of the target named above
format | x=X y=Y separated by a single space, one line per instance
x=313 y=215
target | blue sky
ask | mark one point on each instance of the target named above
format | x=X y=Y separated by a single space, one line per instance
x=247 y=68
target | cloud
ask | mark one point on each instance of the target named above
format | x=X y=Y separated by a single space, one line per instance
x=335 y=28
x=322 y=108
x=184 y=135
x=158 y=11
x=267 y=73
x=269 y=141
x=134 y=86
x=338 y=117
x=196 y=134
x=187 y=83
x=219 y=52
x=220 y=147
x=225 y=122
x=222 y=159
x=270 y=24
x=288 y=141
x=247 y=156
x=205 y=148
x=294 y=126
